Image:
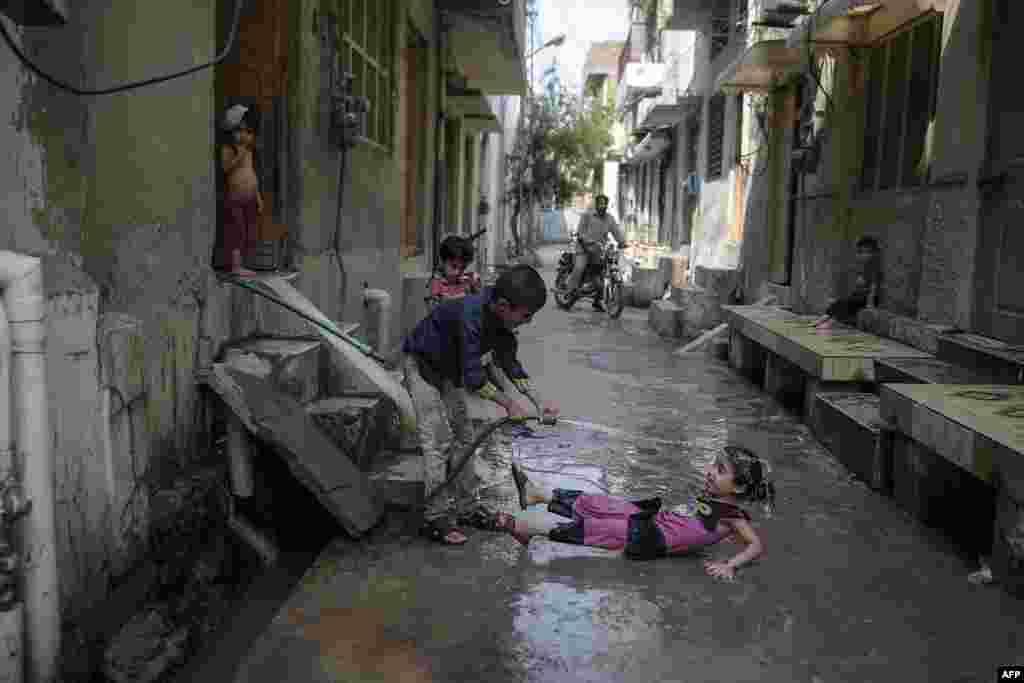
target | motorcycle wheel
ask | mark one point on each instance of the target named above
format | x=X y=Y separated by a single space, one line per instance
x=613 y=299
x=564 y=299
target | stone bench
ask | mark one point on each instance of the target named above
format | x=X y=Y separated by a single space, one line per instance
x=852 y=425
x=851 y=429
x=799 y=362
x=957 y=443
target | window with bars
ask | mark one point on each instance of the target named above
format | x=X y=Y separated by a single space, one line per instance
x=901 y=87
x=740 y=14
x=716 y=135
x=719 y=28
x=367 y=30
x=693 y=135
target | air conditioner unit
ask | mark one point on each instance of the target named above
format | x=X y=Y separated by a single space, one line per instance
x=692 y=184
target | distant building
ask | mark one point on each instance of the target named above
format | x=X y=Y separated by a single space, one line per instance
x=600 y=83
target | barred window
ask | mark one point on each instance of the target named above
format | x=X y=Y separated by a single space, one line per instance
x=740 y=14
x=716 y=135
x=902 y=82
x=367 y=52
x=719 y=28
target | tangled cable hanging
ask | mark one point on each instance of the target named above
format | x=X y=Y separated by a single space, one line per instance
x=31 y=66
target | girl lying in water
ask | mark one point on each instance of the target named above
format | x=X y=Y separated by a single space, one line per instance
x=644 y=531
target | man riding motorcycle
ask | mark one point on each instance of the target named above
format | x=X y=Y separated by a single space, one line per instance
x=590 y=236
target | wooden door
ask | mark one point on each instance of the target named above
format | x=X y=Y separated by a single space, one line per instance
x=412 y=114
x=999 y=300
x=255 y=74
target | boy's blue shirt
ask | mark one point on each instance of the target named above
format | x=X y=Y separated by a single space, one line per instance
x=456 y=338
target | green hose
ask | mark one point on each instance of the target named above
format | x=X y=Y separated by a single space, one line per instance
x=363 y=348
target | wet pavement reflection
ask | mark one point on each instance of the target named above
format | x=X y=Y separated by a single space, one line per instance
x=851 y=588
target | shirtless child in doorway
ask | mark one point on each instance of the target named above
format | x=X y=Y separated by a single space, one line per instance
x=243 y=203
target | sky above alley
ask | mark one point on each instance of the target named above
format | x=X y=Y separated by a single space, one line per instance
x=583 y=22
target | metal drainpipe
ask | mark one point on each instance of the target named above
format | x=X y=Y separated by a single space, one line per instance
x=21 y=280
x=12 y=611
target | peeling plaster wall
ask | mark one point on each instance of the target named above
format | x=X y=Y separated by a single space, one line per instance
x=116 y=194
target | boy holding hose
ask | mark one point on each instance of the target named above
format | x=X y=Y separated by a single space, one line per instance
x=452 y=351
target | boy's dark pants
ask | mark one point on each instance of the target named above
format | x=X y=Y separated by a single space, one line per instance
x=846 y=310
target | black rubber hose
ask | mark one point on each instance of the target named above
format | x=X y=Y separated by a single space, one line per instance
x=471 y=451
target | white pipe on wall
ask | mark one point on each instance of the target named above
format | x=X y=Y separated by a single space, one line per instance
x=21 y=279
x=12 y=628
x=6 y=439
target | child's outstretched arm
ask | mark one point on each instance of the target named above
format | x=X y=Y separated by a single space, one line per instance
x=754 y=549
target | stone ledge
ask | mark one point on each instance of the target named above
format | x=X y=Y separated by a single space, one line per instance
x=909 y=331
x=783 y=293
x=665 y=318
x=722 y=282
x=851 y=428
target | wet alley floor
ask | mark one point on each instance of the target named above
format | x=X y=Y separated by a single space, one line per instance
x=851 y=588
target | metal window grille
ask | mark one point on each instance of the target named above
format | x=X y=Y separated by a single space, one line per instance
x=367 y=52
x=740 y=15
x=720 y=28
x=716 y=135
x=693 y=135
x=901 y=88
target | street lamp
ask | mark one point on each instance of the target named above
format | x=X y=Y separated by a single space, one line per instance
x=557 y=40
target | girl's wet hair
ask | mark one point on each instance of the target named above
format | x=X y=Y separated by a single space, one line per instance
x=751 y=473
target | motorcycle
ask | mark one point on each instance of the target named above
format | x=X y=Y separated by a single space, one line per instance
x=603 y=277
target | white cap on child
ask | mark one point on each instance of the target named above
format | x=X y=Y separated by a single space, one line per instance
x=233 y=117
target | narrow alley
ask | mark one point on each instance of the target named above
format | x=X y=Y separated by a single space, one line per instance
x=851 y=587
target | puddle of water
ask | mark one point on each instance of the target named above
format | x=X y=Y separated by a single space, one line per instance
x=585 y=634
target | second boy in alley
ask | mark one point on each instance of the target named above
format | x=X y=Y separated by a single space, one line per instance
x=451 y=352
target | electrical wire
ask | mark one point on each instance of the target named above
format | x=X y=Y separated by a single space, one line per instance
x=31 y=66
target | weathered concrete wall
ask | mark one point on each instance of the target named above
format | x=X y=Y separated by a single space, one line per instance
x=370 y=211
x=117 y=194
x=958 y=137
x=928 y=234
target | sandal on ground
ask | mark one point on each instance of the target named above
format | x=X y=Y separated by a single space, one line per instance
x=440 y=532
x=507 y=523
x=521 y=481
x=479 y=517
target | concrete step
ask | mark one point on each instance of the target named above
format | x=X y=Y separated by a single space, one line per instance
x=1008 y=544
x=396 y=479
x=925 y=371
x=942 y=495
x=291 y=364
x=1003 y=362
x=665 y=317
x=851 y=428
x=648 y=285
x=357 y=423
x=720 y=281
x=701 y=309
x=284 y=423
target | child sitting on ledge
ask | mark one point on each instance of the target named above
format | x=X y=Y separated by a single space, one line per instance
x=865 y=289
